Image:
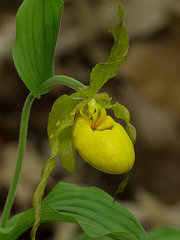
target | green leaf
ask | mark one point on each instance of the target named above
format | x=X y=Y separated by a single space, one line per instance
x=102 y=72
x=113 y=236
x=91 y=208
x=86 y=237
x=37 y=27
x=48 y=167
x=121 y=236
x=23 y=221
x=94 y=210
x=164 y=233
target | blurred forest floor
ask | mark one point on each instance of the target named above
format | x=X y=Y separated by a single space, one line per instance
x=148 y=84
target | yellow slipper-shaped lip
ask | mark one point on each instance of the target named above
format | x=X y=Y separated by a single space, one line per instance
x=107 y=148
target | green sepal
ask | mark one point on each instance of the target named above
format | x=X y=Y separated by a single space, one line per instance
x=60 y=120
x=121 y=112
x=123 y=184
x=38 y=194
x=131 y=131
x=104 y=100
x=37 y=27
x=67 y=151
x=102 y=72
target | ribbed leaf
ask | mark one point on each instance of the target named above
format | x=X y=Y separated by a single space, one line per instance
x=91 y=208
x=94 y=210
x=37 y=24
x=113 y=236
x=164 y=233
x=86 y=237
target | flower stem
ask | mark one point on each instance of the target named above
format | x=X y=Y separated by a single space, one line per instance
x=20 y=155
x=64 y=80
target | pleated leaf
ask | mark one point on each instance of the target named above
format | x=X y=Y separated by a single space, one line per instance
x=37 y=27
x=164 y=233
x=111 y=236
x=91 y=208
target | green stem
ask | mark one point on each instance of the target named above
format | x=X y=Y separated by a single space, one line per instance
x=67 y=81
x=21 y=149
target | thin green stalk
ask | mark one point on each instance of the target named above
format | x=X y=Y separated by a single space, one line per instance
x=21 y=149
x=64 y=80
x=70 y=82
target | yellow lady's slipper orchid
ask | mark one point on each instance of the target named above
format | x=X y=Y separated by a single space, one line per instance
x=104 y=144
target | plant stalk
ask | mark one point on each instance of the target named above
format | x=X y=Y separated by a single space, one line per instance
x=64 y=80
x=21 y=148
x=70 y=82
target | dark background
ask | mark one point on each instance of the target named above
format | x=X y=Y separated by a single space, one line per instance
x=148 y=84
